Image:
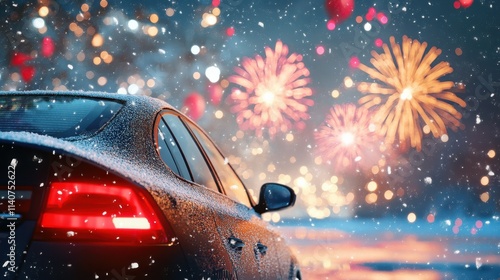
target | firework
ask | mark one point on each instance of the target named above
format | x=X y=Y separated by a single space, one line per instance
x=272 y=92
x=345 y=136
x=410 y=99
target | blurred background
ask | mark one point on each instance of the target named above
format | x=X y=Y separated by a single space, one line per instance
x=305 y=93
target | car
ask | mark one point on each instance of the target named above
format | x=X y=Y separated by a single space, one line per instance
x=110 y=186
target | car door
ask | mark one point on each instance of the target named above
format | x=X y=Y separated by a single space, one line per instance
x=242 y=258
x=250 y=241
x=191 y=217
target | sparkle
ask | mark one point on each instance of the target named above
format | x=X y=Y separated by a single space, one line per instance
x=347 y=138
x=407 y=94
x=268 y=97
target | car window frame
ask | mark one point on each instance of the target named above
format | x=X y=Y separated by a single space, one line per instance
x=180 y=163
x=200 y=146
x=218 y=150
x=159 y=119
x=156 y=127
x=186 y=121
x=212 y=182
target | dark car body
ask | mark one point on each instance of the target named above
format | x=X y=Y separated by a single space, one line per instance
x=109 y=186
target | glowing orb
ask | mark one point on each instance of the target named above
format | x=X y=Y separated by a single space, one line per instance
x=347 y=138
x=19 y=59
x=466 y=3
x=194 y=106
x=339 y=10
x=27 y=72
x=406 y=94
x=48 y=47
x=354 y=62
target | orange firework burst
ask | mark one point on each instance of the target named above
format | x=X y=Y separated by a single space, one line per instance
x=345 y=135
x=274 y=92
x=411 y=99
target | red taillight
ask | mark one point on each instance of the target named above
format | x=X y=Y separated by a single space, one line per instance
x=86 y=211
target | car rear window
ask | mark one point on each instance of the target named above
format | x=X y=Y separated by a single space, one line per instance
x=56 y=116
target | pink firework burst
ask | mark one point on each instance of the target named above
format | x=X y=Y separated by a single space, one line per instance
x=346 y=136
x=272 y=92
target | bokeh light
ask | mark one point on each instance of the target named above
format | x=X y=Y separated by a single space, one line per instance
x=412 y=217
x=485 y=180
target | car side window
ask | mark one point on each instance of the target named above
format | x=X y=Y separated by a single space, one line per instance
x=231 y=183
x=200 y=170
x=165 y=153
x=170 y=152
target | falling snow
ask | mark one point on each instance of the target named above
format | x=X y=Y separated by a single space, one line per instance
x=170 y=50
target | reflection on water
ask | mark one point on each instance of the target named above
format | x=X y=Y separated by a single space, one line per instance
x=395 y=249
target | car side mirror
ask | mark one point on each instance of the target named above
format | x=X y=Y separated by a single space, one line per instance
x=273 y=197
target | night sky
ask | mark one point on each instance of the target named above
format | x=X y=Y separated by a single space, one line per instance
x=161 y=49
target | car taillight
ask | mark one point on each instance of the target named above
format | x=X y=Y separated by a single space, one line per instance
x=95 y=212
